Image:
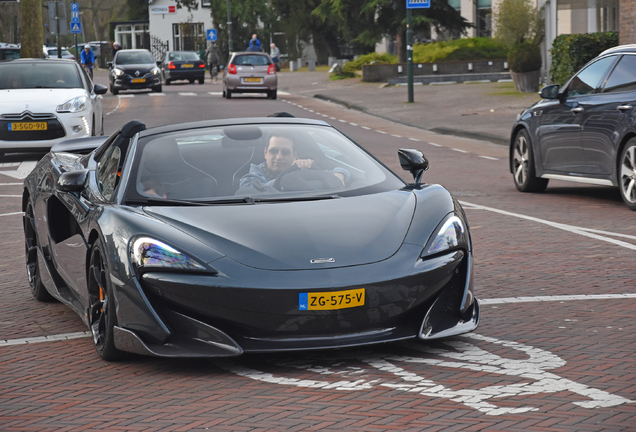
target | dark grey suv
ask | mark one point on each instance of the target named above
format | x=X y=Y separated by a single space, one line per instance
x=133 y=70
x=584 y=131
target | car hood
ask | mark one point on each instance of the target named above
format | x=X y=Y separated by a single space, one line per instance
x=300 y=235
x=142 y=68
x=35 y=100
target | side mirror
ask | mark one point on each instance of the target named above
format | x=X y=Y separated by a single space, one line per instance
x=72 y=181
x=550 y=92
x=110 y=65
x=413 y=161
x=100 y=89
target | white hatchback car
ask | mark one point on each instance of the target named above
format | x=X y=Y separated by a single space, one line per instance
x=45 y=101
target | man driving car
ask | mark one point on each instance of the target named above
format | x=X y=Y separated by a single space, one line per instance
x=280 y=154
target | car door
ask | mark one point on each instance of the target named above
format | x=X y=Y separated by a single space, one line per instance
x=95 y=102
x=607 y=115
x=559 y=133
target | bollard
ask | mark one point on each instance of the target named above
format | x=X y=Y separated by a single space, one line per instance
x=293 y=66
x=311 y=64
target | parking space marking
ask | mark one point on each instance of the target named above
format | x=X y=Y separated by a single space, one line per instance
x=24 y=168
x=586 y=232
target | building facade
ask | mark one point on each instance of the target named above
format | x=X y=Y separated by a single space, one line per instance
x=179 y=28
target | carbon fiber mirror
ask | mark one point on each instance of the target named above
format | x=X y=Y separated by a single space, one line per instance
x=413 y=161
x=72 y=181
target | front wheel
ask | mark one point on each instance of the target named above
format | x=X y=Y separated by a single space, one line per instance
x=228 y=94
x=101 y=312
x=627 y=180
x=157 y=89
x=271 y=94
x=38 y=290
x=201 y=80
x=523 y=169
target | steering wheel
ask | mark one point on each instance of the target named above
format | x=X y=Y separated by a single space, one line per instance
x=295 y=179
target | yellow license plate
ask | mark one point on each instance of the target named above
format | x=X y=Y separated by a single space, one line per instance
x=187 y=65
x=137 y=80
x=28 y=126
x=254 y=80
x=331 y=300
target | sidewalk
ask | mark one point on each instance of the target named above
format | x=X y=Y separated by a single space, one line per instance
x=484 y=111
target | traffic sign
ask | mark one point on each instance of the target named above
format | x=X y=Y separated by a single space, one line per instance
x=74 y=16
x=76 y=27
x=211 y=35
x=418 y=4
x=74 y=7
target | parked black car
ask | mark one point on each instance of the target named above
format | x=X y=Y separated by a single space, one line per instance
x=584 y=131
x=134 y=70
x=182 y=65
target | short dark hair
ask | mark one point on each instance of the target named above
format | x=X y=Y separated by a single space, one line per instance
x=279 y=135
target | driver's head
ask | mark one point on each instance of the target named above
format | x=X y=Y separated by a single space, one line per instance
x=279 y=153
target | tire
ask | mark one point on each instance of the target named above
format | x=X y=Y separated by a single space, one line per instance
x=271 y=94
x=101 y=311
x=38 y=290
x=228 y=94
x=201 y=80
x=168 y=82
x=627 y=174
x=113 y=90
x=523 y=169
x=191 y=81
x=157 y=89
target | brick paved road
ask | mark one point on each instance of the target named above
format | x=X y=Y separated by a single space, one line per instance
x=547 y=363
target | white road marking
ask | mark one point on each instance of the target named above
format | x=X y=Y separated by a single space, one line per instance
x=215 y=93
x=433 y=144
x=50 y=338
x=365 y=127
x=187 y=94
x=24 y=168
x=397 y=136
x=10 y=196
x=530 y=372
x=284 y=93
x=126 y=96
x=10 y=184
x=459 y=150
x=9 y=164
x=12 y=214
x=382 y=132
x=414 y=139
x=586 y=232
x=117 y=107
x=156 y=94
x=488 y=157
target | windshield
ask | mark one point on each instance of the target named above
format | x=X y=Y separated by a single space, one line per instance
x=129 y=58
x=183 y=55
x=251 y=59
x=247 y=164
x=42 y=74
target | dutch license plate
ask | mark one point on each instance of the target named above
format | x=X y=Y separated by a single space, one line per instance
x=331 y=300
x=187 y=65
x=252 y=80
x=28 y=126
x=137 y=80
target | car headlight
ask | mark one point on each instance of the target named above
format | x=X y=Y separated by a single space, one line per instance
x=148 y=253
x=74 y=105
x=118 y=72
x=451 y=235
x=156 y=71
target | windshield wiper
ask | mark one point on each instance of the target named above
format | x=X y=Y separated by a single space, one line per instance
x=297 y=198
x=168 y=201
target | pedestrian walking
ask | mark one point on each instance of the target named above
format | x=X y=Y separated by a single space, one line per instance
x=274 y=53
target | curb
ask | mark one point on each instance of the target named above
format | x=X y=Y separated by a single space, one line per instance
x=495 y=139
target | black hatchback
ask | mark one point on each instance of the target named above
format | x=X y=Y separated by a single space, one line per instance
x=133 y=70
x=584 y=131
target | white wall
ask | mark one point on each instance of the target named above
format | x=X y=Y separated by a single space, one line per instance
x=160 y=25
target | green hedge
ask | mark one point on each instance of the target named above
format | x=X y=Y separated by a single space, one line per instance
x=571 y=52
x=460 y=49
x=374 y=58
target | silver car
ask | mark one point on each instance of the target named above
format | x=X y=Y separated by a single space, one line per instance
x=250 y=72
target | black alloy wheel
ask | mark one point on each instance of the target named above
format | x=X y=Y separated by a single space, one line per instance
x=101 y=312
x=627 y=174
x=38 y=290
x=523 y=170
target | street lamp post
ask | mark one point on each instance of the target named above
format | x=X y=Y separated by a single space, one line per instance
x=229 y=28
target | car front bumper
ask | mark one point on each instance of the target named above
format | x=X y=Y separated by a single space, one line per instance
x=171 y=314
x=125 y=82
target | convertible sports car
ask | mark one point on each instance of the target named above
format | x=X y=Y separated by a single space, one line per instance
x=166 y=241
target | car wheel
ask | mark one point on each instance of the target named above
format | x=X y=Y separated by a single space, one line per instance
x=271 y=94
x=523 y=170
x=627 y=174
x=168 y=82
x=101 y=312
x=201 y=80
x=38 y=290
x=228 y=93
x=113 y=90
x=157 y=89
x=191 y=81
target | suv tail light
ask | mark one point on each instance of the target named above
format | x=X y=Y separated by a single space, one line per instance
x=171 y=66
x=271 y=70
x=231 y=69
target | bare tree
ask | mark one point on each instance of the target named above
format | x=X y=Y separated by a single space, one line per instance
x=31 y=28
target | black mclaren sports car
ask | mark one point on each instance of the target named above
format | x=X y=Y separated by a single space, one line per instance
x=216 y=238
